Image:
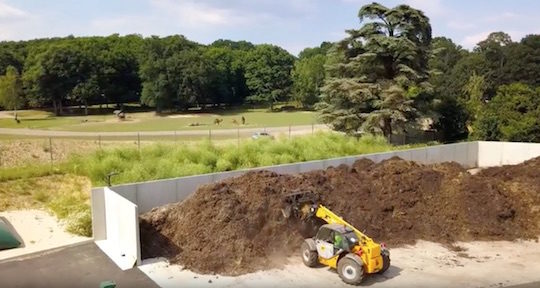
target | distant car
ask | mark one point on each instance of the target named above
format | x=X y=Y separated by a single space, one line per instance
x=259 y=135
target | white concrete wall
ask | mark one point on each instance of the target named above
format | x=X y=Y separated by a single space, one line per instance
x=99 y=225
x=122 y=243
x=505 y=153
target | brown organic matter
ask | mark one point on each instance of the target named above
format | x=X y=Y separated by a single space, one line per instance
x=236 y=227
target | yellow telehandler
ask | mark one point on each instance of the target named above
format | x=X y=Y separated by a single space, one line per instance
x=337 y=244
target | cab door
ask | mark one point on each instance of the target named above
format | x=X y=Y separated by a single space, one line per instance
x=323 y=242
x=325 y=249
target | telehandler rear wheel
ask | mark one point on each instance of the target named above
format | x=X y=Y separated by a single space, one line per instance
x=350 y=271
x=309 y=257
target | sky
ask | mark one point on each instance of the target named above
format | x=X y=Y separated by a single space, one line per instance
x=291 y=24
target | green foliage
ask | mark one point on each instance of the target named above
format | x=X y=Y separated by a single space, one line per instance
x=268 y=74
x=82 y=71
x=161 y=161
x=377 y=77
x=308 y=78
x=11 y=90
x=512 y=115
x=451 y=120
x=474 y=95
x=312 y=52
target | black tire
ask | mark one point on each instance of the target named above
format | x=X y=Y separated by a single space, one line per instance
x=385 y=261
x=309 y=257
x=350 y=271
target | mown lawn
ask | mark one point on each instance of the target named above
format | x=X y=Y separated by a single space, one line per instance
x=148 y=121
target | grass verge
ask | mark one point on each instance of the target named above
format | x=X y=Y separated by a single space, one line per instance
x=67 y=196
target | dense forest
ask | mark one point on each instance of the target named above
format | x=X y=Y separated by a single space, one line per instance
x=387 y=76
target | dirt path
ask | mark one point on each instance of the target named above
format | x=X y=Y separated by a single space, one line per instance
x=295 y=130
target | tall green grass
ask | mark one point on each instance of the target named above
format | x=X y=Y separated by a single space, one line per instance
x=168 y=160
x=159 y=161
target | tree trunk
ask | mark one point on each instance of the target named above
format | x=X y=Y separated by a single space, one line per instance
x=55 y=107
x=60 y=108
x=86 y=107
x=387 y=128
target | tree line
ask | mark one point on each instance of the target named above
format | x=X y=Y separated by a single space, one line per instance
x=387 y=76
x=168 y=73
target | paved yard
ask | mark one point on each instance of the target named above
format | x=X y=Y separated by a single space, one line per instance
x=79 y=266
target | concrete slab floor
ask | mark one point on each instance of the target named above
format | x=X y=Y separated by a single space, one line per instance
x=77 y=266
x=426 y=264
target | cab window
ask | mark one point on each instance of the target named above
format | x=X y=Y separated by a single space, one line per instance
x=325 y=234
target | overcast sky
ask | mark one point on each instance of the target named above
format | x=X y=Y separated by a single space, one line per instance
x=292 y=24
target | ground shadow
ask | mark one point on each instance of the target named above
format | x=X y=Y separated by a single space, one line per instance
x=154 y=244
x=392 y=272
x=371 y=279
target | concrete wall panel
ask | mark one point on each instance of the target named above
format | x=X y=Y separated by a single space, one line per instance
x=154 y=194
x=379 y=157
x=128 y=191
x=446 y=153
x=472 y=154
x=514 y=153
x=534 y=150
x=489 y=154
x=434 y=154
x=122 y=225
x=98 y=214
x=405 y=155
x=333 y=162
x=284 y=169
x=419 y=155
x=310 y=166
x=187 y=185
x=225 y=175
x=461 y=154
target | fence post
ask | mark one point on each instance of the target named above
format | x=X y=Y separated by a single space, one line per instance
x=139 y=141
x=289 y=132
x=50 y=150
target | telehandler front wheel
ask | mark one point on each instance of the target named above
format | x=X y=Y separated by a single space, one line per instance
x=385 y=260
x=309 y=257
x=350 y=271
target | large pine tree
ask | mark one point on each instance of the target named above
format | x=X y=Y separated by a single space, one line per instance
x=378 y=74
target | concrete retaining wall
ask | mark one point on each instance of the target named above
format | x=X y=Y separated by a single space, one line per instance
x=147 y=195
x=121 y=242
x=505 y=153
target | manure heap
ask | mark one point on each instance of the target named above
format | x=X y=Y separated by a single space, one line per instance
x=235 y=226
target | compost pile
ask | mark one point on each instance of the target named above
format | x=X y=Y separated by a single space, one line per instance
x=236 y=226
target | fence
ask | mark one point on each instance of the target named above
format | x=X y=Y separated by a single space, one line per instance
x=42 y=147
